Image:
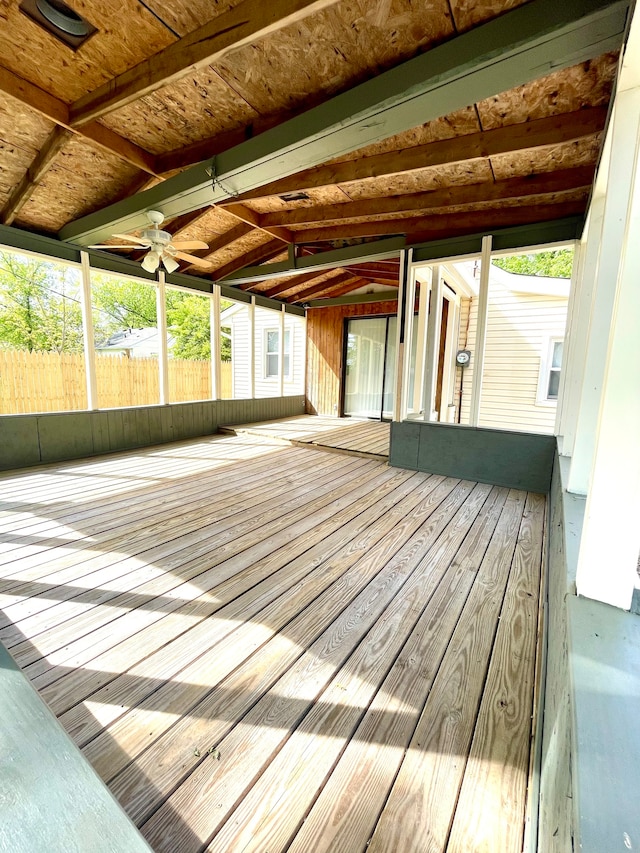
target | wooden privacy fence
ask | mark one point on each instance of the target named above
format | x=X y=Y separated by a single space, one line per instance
x=55 y=382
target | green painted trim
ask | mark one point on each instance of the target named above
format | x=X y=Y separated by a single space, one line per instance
x=356 y=299
x=522 y=45
x=57 y=436
x=503 y=239
x=16 y=238
x=376 y=250
x=518 y=460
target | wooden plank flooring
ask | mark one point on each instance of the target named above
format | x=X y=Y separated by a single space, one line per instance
x=263 y=647
x=350 y=435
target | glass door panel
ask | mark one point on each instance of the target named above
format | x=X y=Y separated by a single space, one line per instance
x=365 y=361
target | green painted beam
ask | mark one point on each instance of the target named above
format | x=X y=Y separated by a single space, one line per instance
x=16 y=238
x=377 y=250
x=524 y=44
x=354 y=299
x=504 y=239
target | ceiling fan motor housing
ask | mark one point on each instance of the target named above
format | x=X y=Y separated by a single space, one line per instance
x=154 y=235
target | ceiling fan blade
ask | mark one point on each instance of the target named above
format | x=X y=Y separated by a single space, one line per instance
x=113 y=246
x=197 y=262
x=132 y=238
x=189 y=244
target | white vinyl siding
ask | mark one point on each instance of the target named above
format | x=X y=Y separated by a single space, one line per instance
x=519 y=328
x=266 y=385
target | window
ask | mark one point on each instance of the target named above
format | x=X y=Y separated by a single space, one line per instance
x=272 y=353
x=549 y=383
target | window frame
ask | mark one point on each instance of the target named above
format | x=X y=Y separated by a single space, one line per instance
x=546 y=369
x=288 y=353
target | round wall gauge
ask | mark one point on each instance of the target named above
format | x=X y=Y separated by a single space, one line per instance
x=463 y=357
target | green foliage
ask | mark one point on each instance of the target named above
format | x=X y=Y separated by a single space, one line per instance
x=554 y=264
x=39 y=305
x=40 y=310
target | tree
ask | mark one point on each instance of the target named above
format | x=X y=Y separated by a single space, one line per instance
x=39 y=305
x=554 y=264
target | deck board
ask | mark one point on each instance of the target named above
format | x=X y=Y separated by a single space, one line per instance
x=261 y=646
x=346 y=435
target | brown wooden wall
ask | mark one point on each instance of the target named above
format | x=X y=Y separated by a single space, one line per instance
x=325 y=344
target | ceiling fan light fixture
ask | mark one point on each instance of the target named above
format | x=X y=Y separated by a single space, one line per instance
x=151 y=261
x=170 y=264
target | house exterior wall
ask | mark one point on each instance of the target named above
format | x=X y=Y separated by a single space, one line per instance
x=519 y=329
x=325 y=352
x=265 y=386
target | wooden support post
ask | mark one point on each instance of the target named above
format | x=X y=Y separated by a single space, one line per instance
x=611 y=247
x=163 y=353
x=610 y=540
x=87 y=333
x=215 y=334
x=421 y=341
x=282 y=350
x=433 y=346
x=409 y=305
x=481 y=331
x=399 y=401
x=252 y=348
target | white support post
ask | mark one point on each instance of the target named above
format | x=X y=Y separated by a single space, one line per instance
x=409 y=306
x=87 y=333
x=214 y=331
x=433 y=346
x=481 y=331
x=421 y=342
x=252 y=348
x=570 y=343
x=610 y=541
x=623 y=149
x=281 y=359
x=399 y=398
x=163 y=354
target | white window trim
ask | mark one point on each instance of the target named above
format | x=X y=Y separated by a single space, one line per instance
x=545 y=371
x=274 y=377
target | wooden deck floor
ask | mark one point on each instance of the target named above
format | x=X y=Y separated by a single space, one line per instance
x=268 y=648
x=358 y=437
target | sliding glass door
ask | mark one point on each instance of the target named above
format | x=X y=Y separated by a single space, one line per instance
x=365 y=367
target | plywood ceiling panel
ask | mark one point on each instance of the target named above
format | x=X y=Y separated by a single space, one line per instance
x=328 y=52
x=214 y=222
x=586 y=85
x=80 y=179
x=458 y=123
x=470 y=13
x=185 y=16
x=422 y=180
x=321 y=195
x=127 y=34
x=23 y=127
x=238 y=248
x=188 y=111
x=583 y=152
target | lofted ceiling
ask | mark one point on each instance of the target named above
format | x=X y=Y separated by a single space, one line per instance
x=162 y=86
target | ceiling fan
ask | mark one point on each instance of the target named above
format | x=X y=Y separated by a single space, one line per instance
x=160 y=246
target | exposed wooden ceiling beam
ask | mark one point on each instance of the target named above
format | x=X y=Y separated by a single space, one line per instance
x=25 y=189
x=296 y=287
x=532 y=185
x=539 y=133
x=340 y=284
x=372 y=273
x=247 y=22
x=284 y=286
x=255 y=256
x=356 y=299
x=58 y=112
x=509 y=50
x=244 y=214
x=448 y=224
x=235 y=233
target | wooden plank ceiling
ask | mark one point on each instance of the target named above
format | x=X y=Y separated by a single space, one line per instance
x=161 y=86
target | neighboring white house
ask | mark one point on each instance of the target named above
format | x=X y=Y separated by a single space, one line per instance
x=135 y=343
x=266 y=351
x=523 y=352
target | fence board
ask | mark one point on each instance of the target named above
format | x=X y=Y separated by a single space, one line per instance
x=55 y=382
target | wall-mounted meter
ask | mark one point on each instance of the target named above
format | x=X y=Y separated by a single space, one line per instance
x=463 y=357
